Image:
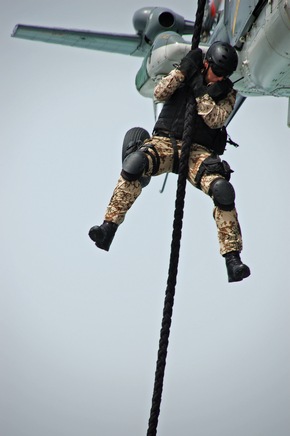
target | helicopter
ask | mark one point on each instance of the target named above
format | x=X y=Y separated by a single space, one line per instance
x=258 y=29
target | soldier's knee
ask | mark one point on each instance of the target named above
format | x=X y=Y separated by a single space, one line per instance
x=134 y=165
x=222 y=193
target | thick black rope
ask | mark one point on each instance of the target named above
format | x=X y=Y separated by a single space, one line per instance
x=188 y=134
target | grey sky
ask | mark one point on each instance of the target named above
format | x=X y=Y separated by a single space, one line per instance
x=79 y=328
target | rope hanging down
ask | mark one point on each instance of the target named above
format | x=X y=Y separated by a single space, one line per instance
x=190 y=117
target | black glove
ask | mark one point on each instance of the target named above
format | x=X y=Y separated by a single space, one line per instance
x=219 y=90
x=191 y=63
x=197 y=85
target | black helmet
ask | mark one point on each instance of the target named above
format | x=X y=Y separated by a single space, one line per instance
x=222 y=58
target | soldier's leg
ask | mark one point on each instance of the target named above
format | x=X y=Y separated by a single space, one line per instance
x=151 y=159
x=124 y=196
x=225 y=214
x=228 y=227
x=217 y=186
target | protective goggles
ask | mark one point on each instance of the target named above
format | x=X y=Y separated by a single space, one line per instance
x=219 y=72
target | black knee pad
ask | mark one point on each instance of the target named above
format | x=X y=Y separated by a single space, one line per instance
x=134 y=165
x=223 y=194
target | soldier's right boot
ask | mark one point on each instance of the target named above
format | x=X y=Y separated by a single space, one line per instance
x=237 y=270
x=103 y=235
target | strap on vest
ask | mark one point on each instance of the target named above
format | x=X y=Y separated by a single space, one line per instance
x=175 y=166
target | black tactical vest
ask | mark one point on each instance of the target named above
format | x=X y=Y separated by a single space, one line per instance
x=171 y=120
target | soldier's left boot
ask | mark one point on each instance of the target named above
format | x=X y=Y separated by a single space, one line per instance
x=237 y=270
x=103 y=235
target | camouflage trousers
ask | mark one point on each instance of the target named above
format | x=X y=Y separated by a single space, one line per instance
x=125 y=192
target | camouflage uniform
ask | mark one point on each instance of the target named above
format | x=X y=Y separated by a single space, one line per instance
x=214 y=115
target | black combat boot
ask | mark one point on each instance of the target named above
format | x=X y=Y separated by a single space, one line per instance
x=237 y=271
x=103 y=235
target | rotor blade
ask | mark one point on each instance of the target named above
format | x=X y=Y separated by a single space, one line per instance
x=108 y=42
x=239 y=101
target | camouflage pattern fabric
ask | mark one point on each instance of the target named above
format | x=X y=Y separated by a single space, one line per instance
x=125 y=193
x=214 y=115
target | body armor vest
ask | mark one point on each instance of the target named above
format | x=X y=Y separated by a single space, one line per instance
x=171 y=121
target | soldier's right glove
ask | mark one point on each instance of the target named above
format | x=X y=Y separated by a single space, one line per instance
x=197 y=85
x=191 y=63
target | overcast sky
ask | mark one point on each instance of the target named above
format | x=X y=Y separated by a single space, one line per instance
x=79 y=327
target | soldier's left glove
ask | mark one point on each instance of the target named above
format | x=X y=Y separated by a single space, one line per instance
x=191 y=63
x=217 y=91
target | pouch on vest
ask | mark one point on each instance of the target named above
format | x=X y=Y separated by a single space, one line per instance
x=220 y=140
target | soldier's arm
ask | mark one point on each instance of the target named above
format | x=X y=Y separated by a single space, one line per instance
x=215 y=114
x=168 y=84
